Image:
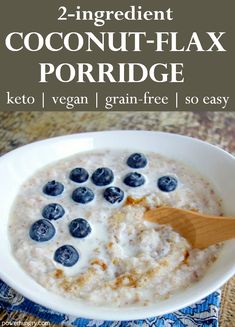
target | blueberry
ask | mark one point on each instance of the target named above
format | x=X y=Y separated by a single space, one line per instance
x=102 y=176
x=167 y=183
x=83 y=195
x=79 y=175
x=113 y=194
x=66 y=255
x=42 y=230
x=79 y=228
x=53 y=188
x=134 y=179
x=53 y=211
x=137 y=160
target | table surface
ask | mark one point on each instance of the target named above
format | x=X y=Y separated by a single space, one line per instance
x=17 y=129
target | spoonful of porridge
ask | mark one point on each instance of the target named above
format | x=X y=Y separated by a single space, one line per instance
x=199 y=229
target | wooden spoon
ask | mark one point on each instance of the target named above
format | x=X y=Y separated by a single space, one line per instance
x=199 y=229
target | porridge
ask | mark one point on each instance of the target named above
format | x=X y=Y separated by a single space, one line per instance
x=77 y=227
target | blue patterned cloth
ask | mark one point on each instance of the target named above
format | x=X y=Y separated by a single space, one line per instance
x=201 y=314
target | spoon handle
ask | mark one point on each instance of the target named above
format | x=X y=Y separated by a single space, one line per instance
x=199 y=229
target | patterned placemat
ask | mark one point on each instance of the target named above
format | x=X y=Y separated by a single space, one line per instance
x=202 y=313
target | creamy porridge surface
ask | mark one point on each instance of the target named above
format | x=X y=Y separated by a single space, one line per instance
x=123 y=260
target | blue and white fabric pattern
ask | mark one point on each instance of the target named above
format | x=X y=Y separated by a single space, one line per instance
x=201 y=314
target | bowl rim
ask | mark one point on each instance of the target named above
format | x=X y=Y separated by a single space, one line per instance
x=126 y=131
x=127 y=314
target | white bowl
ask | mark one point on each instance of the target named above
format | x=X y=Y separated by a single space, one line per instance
x=213 y=163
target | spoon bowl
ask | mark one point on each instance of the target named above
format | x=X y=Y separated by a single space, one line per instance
x=199 y=229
